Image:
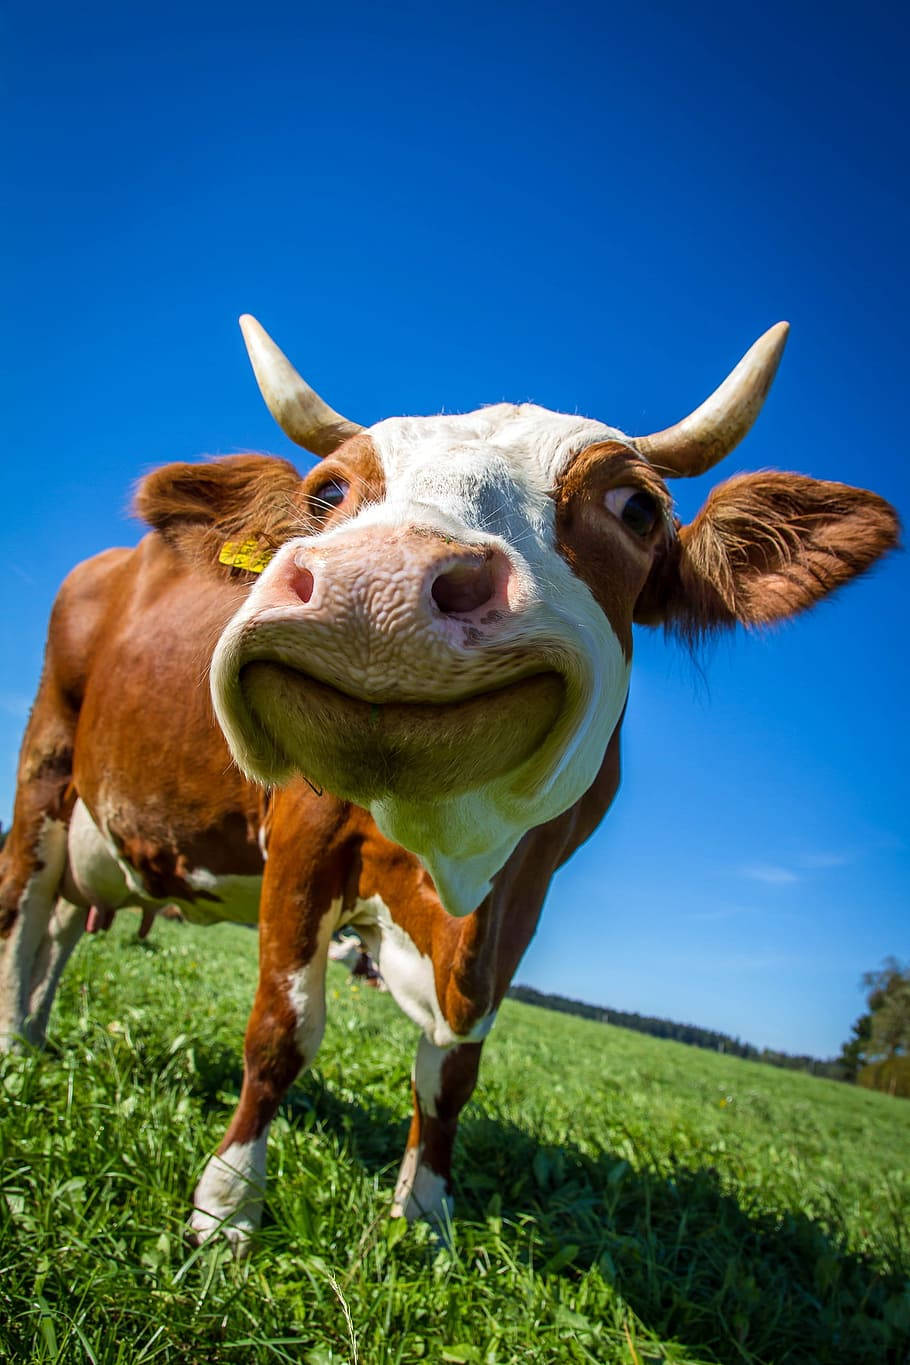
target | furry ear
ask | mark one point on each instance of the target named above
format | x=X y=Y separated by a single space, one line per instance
x=198 y=507
x=224 y=490
x=764 y=547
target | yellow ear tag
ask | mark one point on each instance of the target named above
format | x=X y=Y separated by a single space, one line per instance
x=245 y=554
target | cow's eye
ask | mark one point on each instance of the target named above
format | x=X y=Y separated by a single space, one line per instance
x=635 y=508
x=332 y=493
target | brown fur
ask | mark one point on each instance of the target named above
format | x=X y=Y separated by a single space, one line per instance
x=598 y=548
x=197 y=508
x=764 y=547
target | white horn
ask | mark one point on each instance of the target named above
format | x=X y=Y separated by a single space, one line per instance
x=712 y=430
x=299 y=411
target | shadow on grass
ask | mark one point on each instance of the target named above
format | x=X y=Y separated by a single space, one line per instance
x=693 y=1263
x=731 y=1283
x=700 y=1266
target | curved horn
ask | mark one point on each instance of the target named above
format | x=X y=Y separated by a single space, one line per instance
x=712 y=430
x=299 y=411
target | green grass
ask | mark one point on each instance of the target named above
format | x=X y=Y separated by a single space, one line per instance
x=619 y=1198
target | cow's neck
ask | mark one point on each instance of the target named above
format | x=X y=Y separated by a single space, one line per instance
x=485 y=948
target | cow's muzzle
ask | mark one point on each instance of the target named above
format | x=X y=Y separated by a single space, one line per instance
x=365 y=751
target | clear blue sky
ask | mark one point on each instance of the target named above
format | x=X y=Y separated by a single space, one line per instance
x=595 y=207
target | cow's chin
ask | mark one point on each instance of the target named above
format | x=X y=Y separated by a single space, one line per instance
x=363 y=751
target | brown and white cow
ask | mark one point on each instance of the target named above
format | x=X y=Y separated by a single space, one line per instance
x=423 y=693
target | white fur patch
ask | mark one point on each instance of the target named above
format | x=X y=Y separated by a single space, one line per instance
x=306 y=990
x=229 y=1196
x=408 y=973
x=491 y=472
x=420 y=1192
x=427 y=1074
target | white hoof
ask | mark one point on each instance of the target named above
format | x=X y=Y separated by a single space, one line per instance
x=202 y=1227
x=229 y=1197
x=422 y=1194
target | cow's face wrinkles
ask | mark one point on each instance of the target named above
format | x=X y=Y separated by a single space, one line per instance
x=449 y=642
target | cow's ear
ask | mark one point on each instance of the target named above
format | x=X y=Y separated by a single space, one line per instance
x=235 y=493
x=764 y=547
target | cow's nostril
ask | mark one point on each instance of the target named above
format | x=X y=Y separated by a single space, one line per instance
x=464 y=587
x=302 y=584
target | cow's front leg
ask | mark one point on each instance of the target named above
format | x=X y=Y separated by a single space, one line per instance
x=283 y=1035
x=443 y=1081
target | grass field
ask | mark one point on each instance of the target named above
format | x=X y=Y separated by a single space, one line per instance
x=619 y=1198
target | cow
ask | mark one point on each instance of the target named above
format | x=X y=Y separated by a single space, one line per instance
x=419 y=656
x=347 y=949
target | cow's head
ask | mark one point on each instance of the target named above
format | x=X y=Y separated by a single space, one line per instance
x=447 y=640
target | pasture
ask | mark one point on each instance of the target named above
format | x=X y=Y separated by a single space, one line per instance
x=619 y=1198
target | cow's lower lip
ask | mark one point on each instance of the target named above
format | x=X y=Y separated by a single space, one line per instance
x=362 y=750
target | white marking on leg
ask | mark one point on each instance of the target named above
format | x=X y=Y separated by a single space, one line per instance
x=306 y=989
x=22 y=946
x=427 y=1074
x=421 y=1192
x=66 y=926
x=405 y=1182
x=229 y=1196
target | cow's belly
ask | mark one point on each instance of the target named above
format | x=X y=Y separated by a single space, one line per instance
x=407 y=972
x=97 y=874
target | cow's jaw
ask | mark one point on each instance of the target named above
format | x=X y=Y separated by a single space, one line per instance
x=459 y=731
x=360 y=749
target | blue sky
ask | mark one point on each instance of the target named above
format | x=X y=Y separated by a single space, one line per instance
x=598 y=208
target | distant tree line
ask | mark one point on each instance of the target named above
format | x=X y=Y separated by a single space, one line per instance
x=681 y=1033
x=877 y=1055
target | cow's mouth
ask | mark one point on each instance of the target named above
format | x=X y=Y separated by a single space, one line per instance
x=364 y=751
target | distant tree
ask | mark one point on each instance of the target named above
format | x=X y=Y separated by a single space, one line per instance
x=889 y=1001
x=853 y=1053
x=878 y=1054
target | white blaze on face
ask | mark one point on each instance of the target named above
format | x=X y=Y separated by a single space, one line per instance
x=490 y=474
x=486 y=479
